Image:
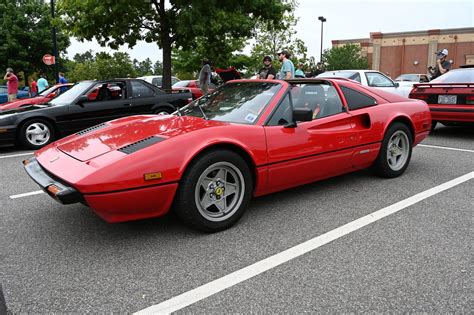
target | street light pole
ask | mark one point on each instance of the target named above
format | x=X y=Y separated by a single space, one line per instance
x=55 y=46
x=322 y=19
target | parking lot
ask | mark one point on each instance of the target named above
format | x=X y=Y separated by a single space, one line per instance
x=414 y=255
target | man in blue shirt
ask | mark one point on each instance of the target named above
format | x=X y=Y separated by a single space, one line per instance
x=287 y=70
x=62 y=80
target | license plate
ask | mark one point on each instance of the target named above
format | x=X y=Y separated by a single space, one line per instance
x=447 y=99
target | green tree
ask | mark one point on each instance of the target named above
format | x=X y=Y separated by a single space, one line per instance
x=273 y=36
x=158 y=68
x=142 y=68
x=101 y=66
x=25 y=35
x=344 y=57
x=170 y=24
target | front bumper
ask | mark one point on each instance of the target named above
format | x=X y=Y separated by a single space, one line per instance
x=61 y=192
x=7 y=135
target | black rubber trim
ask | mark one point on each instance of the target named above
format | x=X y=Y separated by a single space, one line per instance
x=453 y=110
x=136 y=146
x=67 y=195
x=90 y=129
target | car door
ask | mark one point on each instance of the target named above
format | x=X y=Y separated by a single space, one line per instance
x=314 y=149
x=107 y=101
x=143 y=97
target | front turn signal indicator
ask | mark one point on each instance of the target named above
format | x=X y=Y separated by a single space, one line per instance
x=54 y=190
x=152 y=176
x=26 y=162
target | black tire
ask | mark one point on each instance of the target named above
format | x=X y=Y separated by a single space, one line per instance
x=433 y=125
x=394 y=165
x=46 y=134
x=206 y=172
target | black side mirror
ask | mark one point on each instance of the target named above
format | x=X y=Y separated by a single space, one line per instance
x=82 y=99
x=302 y=114
x=396 y=84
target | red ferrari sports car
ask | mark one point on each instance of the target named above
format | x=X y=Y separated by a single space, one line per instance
x=247 y=138
x=192 y=86
x=450 y=97
x=42 y=98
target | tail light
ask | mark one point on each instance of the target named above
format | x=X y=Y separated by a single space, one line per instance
x=470 y=99
x=423 y=97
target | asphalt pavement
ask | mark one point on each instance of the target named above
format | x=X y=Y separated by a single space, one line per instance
x=60 y=259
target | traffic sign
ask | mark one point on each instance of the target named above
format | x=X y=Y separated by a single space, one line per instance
x=49 y=60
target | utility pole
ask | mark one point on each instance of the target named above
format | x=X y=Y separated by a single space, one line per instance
x=55 y=46
x=322 y=19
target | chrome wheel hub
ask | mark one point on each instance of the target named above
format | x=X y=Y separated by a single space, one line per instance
x=398 y=150
x=219 y=191
x=38 y=134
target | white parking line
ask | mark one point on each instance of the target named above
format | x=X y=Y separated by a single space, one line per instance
x=15 y=155
x=445 y=148
x=27 y=194
x=180 y=301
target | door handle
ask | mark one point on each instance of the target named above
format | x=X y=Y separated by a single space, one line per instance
x=127 y=105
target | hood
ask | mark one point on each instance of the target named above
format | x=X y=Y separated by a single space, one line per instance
x=121 y=133
x=23 y=102
x=22 y=109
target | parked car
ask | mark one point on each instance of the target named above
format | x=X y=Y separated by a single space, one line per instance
x=193 y=86
x=413 y=77
x=371 y=78
x=37 y=125
x=157 y=80
x=247 y=138
x=450 y=97
x=41 y=98
x=22 y=93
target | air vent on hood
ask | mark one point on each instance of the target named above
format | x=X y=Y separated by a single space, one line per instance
x=133 y=147
x=90 y=129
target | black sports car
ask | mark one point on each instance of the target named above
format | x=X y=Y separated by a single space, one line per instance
x=86 y=104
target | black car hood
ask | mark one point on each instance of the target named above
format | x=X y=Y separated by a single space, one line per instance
x=23 y=109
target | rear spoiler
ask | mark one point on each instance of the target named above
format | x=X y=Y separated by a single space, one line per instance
x=427 y=85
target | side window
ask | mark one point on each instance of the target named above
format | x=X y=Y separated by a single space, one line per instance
x=424 y=78
x=141 y=90
x=356 y=99
x=355 y=77
x=157 y=81
x=322 y=99
x=378 y=80
x=283 y=113
x=106 y=92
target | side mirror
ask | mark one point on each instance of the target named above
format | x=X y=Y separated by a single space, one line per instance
x=396 y=84
x=83 y=99
x=302 y=114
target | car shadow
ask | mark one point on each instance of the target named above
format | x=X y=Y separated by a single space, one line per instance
x=459 y=132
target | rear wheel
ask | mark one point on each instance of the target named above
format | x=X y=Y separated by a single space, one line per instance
x=214 y=191
x=395 y=153
x=36 y=133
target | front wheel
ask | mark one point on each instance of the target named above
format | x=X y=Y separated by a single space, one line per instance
x=395 y=153
x=214 y=191
x=163 y=111
x=36 y=133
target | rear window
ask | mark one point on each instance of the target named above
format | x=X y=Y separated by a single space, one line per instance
x=456 y=76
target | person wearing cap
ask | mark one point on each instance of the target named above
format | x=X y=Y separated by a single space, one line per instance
x=205 y=76
x=442 y=65
x=267 y=72
x=12 y=84
x=287 y=70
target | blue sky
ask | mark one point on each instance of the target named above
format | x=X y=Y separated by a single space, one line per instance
x=346 y=20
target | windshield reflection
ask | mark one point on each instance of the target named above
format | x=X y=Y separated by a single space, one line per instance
x=68 y=97
x=240 y=102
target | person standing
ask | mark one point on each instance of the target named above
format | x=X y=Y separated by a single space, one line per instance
x=33 y=88
x=42 y=83
x=442 y=65
x=12 y=84
x=205 y=76
x=268 y=71
x=62 y=80
x=287 y=70
x=299 y=73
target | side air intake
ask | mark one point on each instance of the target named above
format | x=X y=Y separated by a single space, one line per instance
x=142 y=144
x=90 y=129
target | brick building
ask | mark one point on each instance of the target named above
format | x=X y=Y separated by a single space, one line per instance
x=413 y=52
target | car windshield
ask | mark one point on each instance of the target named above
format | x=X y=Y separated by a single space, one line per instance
x=407 y=77
x=48 y=91
x=240 y=102
x=181 y=83
x=456 y=76
x=73 y=93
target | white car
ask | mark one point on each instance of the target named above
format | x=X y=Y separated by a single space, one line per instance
x=412 y=77
x=371 y=78
x=157 y=79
